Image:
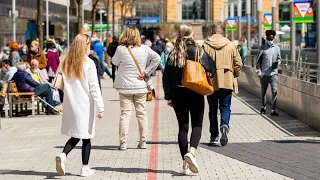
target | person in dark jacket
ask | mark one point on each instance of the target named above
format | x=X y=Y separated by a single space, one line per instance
x=25 y=83
x=183 y=100
x=158 y=46
x=95 y=59
x=111 y=51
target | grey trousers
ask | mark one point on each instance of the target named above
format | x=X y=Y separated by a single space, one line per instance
x=273 y=81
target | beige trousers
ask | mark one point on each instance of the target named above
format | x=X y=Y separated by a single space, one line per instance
x=139 y=102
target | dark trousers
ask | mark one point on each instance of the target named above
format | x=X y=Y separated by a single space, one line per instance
x=99 y=80
x=114 y=68
x=106 y=69
x=220 y=99
x=44 y=90
x=86 y=148
x=184 y=102
x=273 y=81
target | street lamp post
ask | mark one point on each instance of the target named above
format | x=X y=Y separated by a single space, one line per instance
x=101 y=12
x=47 y=19
x=292 y=34
x=239 y=18
x=232 y=16
x=248 y=9
x=226 y=12
x=68 y=24
x=13 y=13
x=259 y=9
x=274 y=13
x=318 y=29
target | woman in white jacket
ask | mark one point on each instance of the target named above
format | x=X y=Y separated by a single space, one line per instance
x=82 y=102
x=131 y=84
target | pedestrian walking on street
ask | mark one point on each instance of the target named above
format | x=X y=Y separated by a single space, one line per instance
x=131 y=84
x=82 y=102
x=111 y=51
x=98 y=48
x=229 y=64
x=53 y=60
x=269 y=58
x=183 y=100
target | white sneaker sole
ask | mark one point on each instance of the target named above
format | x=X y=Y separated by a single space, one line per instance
x=59 y=168
x=87 y=175
x=193 y=168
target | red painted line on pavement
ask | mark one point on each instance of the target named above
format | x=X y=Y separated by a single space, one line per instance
x=153 y=158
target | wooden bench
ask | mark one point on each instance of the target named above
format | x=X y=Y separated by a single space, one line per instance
x=15 y=98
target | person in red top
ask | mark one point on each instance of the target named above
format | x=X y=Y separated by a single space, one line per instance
x=53 y=60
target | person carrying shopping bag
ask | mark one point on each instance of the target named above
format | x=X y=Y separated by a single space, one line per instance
x=131 y=84
x=82 y=102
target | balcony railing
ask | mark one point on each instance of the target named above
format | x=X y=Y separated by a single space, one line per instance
x=309 y=72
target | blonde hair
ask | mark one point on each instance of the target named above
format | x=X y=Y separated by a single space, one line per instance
x=178 y=54
x=73 y=63
x=35 y=43
x=130 y=37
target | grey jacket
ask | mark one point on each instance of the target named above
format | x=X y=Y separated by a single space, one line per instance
x=15 y=58
x=265 y=65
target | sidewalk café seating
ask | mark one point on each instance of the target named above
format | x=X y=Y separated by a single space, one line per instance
x=15 y=98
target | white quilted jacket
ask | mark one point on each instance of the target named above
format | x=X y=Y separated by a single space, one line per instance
x=127 y=81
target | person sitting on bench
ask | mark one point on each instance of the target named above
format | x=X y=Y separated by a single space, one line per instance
x=25 y=83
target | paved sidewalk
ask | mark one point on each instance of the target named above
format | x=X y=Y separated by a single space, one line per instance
x=259 y=148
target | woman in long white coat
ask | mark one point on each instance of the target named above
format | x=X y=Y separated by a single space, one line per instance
x=82 y=102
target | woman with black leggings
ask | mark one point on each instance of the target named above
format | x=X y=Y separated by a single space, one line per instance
x=183 y=100
x=82 y=103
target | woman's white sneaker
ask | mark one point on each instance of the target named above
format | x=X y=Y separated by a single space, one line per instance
x=192 y=162
x=61 y=164
x=123 y=147
x=142 y=145
x=85 y=172
x=186 y=171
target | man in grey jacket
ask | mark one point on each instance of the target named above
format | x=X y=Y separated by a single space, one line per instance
x=267 y=68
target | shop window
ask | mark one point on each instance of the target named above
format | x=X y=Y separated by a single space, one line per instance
x=188 y=7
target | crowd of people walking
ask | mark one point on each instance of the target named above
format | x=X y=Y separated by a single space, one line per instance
x=134 y=61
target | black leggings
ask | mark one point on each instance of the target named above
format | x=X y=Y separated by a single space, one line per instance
x=86 y=148
x=185 y=101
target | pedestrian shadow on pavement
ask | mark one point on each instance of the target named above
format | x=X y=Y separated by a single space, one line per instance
x=110 y=148
x=48 y=175
x=137 y=170
x=286 y=123
x=163 y=142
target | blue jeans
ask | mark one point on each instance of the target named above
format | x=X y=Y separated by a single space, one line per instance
x=44 y=90
x=222 y=99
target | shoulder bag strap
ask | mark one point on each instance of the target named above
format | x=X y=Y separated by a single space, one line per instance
x=136 y=62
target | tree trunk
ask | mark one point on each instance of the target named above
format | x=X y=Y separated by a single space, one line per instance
x=93 y=17
x=107 y=22
x=79 y=15
x=39 y=22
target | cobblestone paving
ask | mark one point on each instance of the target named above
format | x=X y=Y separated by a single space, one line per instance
x=29 y=146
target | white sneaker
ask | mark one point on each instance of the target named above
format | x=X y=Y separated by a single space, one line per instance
x=61 y=164
x=123 y=147
x=85 y=172
x=142 y=145
x=192 y=162
x=185 y=171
